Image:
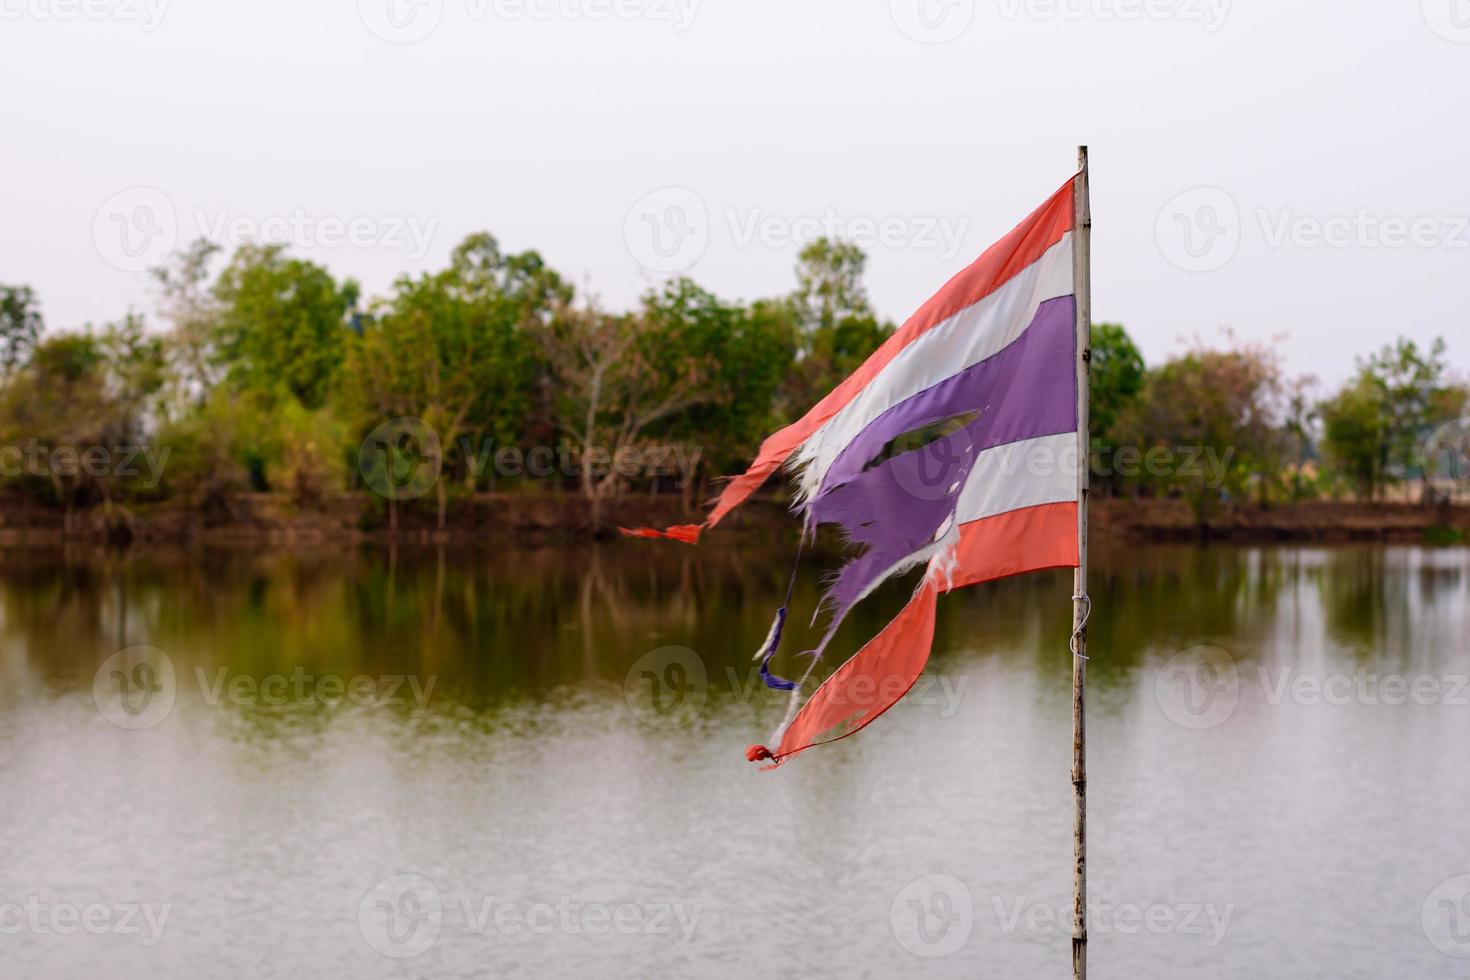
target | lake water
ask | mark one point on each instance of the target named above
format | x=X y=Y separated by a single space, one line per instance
x=489 y=763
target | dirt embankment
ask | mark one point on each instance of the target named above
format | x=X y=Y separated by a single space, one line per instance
x=1318 y=520
x=273 y=519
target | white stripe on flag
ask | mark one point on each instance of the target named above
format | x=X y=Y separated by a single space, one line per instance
x=1020 y=474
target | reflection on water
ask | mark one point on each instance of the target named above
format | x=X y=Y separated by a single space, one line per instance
x=494 y=761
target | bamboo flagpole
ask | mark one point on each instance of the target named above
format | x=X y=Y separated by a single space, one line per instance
x=1081 y=604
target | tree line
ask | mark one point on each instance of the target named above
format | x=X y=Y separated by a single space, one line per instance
x=261 y=371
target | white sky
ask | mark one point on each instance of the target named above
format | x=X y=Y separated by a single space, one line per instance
x=547 y=124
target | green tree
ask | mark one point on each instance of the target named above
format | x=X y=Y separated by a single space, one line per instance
x=1215 y=412
x=749 y=352
x=1302 y=415
x=1354 y=435
x=1115 y=377
x=282 y=323
x=1410 y=383
x=213 y=446
x=191 y=310
x=837 y=327
x=20 y=327
x=456 y=348
x=829 y=284
x=1375 y=425
x=610 y=378
x=81 y=400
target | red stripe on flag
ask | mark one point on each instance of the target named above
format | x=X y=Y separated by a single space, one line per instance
x=888 y=665
x=1024 y=540
x=870 y=683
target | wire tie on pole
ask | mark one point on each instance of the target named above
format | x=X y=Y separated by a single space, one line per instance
x=1081 y=626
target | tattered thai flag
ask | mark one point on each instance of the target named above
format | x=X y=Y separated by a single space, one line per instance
x=954 y=446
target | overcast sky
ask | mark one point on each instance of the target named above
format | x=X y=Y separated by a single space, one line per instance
x=1282 y=169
